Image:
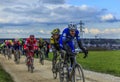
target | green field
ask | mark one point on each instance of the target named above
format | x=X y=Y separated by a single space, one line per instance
x=101 y=61
x=4 y=76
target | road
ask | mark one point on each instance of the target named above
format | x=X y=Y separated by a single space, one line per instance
x=42 y=73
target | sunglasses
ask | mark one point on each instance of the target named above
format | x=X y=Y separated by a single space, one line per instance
x=56 y=34
x=72 y=31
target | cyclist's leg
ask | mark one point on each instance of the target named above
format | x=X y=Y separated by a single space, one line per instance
x=54 y=60
x=54 y=56
x=32 y=56
x=67 y=57
x=36 y=52
x=63 y=53
x=27 y=57
x=72 y=59
x=42 y=52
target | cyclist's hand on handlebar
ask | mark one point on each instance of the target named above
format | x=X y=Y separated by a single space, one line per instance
x=85 y=53
x=73 y=52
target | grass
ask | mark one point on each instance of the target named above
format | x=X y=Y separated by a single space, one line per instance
x=4 y=76
x=101 y=61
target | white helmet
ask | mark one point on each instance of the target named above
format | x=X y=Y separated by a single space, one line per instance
x=72 y=26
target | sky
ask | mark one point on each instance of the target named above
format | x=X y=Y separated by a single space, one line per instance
x=20 y=18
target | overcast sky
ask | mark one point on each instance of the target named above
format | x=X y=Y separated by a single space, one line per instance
x=20 y=18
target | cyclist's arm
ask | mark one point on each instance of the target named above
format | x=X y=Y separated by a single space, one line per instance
x=80 y=45
x=35 y=45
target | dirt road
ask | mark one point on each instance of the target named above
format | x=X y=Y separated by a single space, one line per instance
x=42 y=73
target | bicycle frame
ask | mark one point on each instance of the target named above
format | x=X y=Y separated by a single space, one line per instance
x=56 y=64
x=41 y=55
x=29 y=60
x=17 y=55
x=29 y=55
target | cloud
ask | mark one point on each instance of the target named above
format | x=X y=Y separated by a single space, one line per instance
x=94 y=31
x=111 y=31
x=44 y=14
x=48 y=13
x=54 y=12
x=42 y=31
x=105 y=31
x=86 y=30
x=23 y=32
x=109 y=18
x=53 y=1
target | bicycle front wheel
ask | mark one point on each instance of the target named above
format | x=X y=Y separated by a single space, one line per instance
x=63 y=72
x=78 y=74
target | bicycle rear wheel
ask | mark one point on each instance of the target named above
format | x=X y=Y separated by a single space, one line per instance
x=78 y=74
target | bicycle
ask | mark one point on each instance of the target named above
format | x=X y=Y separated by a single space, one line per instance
x=41 y=55
x=75 y=74
x=17 y=56
x=29 y=62
x=9 y=53
x=56 y=63
x=5 y=53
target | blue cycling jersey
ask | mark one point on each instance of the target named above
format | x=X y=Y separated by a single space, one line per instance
x=66 y=37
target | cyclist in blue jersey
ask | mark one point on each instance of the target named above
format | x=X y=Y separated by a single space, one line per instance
x=66 y=42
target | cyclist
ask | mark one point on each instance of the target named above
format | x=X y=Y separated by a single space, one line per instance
x=2 y=46
x=41 y=46
x=8 y=45
x=54 y=41
x=16 y=46
x=30 y=46
x=66 y=42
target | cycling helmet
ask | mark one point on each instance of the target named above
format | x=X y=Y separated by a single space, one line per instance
x=40 y=39
x=72 y=26
x=32 y=37
x=56 y=31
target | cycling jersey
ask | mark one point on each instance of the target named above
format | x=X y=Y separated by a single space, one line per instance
x=30 y=45
x=8 y=44
x=41 y=43
x=16 y=45
x=55 y=43
x=67 y=39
